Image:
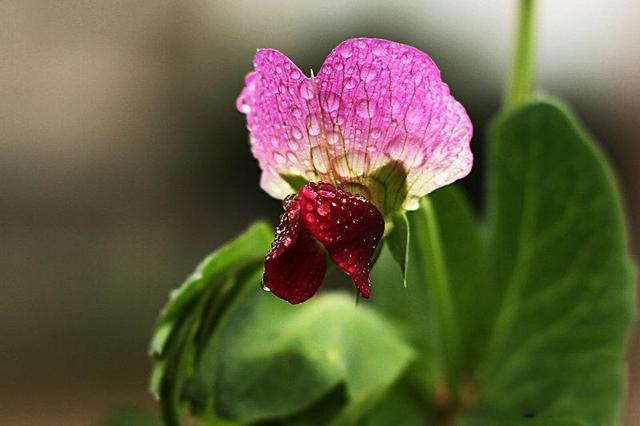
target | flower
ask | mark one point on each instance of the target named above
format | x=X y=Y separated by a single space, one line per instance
x=376 y=127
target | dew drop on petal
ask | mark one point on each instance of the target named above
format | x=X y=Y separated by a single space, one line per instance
x=296 y=133
x=323 y=209
x=379 y=51
x=244 y=106
x=296 y=112
x=279 y=158
x=333 y=138
x=365 y=109
x=331 y=102
x=320 y=159
x=306 y=90
x=313 y=125
x=411 y=203
x=346 y=52
x=350 y=83
x=295 y=74
x=367 y=74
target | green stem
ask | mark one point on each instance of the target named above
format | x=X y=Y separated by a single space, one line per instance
x=521 y=76
x=434 y=272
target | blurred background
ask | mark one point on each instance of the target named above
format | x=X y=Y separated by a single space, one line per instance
x=123 y=160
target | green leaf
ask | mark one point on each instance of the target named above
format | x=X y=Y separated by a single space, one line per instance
x=246 y=249
x=196 y=311
x=412 y=308
x=563 y=279
x=277 y=359
x=398 y=241
x=296 y=182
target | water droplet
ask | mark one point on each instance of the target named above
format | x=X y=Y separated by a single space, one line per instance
x=365 y=109
x=279 y=158
x=313 y=125
x=327 y=191
x=296 y=112
x=333 y=138
x=350 y=83
x=320 y=159
x=367 y=74
x=327 y=69
x=295 y=74
x=411 y=203
x=331 y=102
x=296 y=133
x=264 y=287
x=375 y=133
x=243 y=105
x=306 y=90
x=323 y=209
x=310 y=217
x=379 y=51
x=346 y=52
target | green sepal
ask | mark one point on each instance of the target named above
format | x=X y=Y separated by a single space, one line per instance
x=296 y=182
x=398 y=241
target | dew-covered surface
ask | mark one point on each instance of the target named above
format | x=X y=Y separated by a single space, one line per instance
x=372 y=102
x=347 y=225
x=295 y=266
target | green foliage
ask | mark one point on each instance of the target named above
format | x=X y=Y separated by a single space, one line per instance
x=296 y=182
x=193 y=317
x=276 y=360
x=562 y=279
x=387 y=187
x=399 y=242
x=520 y=318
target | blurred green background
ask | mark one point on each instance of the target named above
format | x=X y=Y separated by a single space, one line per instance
x=123 y=160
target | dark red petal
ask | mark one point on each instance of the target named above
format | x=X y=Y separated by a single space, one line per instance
x=296 y=264
x=349 y=226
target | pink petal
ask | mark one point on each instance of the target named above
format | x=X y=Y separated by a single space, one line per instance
x=349 y=227
x=394 y=106
x=372 y=102
x=277 y=119
x=296 y=264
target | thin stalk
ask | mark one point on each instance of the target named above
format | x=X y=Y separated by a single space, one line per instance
x=433 y=271
x=520 y=86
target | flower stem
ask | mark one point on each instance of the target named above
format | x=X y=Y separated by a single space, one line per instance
x=521 y=76
x=434 y=272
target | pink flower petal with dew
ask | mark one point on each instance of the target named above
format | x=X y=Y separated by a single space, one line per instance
x=277 y=115
x=373 y=102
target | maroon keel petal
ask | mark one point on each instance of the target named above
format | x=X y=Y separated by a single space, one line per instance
x=296 y=264
x=349 y=226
